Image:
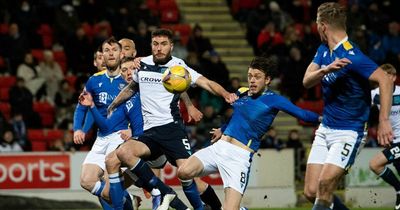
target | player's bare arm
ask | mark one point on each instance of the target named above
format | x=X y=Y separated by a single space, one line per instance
x=194 y=113
x=216 y=89
x=385 y=132
x=314 y=73
x=124 y=95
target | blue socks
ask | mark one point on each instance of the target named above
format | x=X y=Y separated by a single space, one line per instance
x=116 y=191
x=338 y=204
x=190 y=189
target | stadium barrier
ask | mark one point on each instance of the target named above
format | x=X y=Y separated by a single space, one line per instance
x=53 y=175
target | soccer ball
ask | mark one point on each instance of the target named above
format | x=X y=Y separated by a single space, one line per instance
x=176 y=79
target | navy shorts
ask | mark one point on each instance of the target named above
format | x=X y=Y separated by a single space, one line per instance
x=169 y=140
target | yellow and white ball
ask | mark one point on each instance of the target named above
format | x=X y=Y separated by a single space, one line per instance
x=176 y=79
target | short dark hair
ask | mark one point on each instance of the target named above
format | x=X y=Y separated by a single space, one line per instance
x=111 y=41
x=163 y=32
x=264 y=64
x=126 y=59
x=99 y=49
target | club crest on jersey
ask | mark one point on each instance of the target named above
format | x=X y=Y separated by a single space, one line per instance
x=121 y=86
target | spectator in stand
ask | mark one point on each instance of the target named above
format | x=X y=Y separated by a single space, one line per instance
x=271 y=140
x=31 y=75
x=8 y=143
x=278 y=16
x=21 y=101
x=269 y=38
x=142 y=40
x=15 y=45
x=356 y=18
x=376 y=20
x=210 y=120
x=198 y=43
x=254 y=24
x=51 y=71
x=180 y=50
x=64 y=144
x=78 y=49
x=299 y=153
x=20 y=131
x=64 y=101
x=234 y=84
x=293 y=73
x=391 y=44
x=215 y=69
x=66 y=20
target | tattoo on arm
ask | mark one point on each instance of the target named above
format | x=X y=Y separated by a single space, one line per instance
x=124 y=95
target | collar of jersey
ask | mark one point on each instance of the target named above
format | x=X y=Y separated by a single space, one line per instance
x=341 y=42
x=115 y=77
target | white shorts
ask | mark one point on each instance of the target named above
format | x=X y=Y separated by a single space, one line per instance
x=232 y=162
x=101 y=148
x=337 y=147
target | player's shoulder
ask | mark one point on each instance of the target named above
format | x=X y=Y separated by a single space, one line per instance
x=100 y=73
x=148 y=60
x=242 y=91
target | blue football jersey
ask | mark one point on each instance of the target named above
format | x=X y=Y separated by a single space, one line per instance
x=346 y=92
x=130 y=111
x=252 y=116
x=103 y=89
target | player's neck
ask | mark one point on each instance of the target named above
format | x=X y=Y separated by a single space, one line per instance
x=112 y=72
x=335 y=38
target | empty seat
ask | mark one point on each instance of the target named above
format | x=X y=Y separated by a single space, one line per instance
x=7 y=81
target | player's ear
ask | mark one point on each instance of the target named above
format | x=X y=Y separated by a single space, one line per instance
x=172 y=46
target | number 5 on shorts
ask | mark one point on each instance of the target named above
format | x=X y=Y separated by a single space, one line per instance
x=346 y=149
x=186 y=143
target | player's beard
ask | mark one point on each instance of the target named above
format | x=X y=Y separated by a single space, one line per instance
x=113 y=66
x=162 y=61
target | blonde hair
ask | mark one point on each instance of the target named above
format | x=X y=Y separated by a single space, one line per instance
x=333 y=14
x=388 y=68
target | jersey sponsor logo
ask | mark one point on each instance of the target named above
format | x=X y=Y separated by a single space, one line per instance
x=103 y=97
x=395 y=100
x=129 y=105
x=150 y=80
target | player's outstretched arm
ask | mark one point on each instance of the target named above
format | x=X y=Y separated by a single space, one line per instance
x=385 y=132
x=194 y=113
x=124 y=95
x=216 y=89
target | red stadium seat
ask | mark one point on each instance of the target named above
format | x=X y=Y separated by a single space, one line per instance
x=71 y=81
x=4 y=96
x=169 y=16
x=166 y=5
x=7 y=81
x=61 y=59
x=54 y=134
x=43 y=107
x=5 y=109
x=36 y=135
x=38 y=54
x=47 y=119
x=4 y=28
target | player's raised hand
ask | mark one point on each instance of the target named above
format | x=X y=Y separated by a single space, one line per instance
x=136 y=63
x=230 y=97
x=194 y=114
x=86 y=99
x=125 y=134
x=79 y=137
x=385 y=133
x=337 y=64
x=216 y=134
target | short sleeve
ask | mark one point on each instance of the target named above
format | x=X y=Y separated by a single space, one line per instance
x=319 y=54
x=361 y=64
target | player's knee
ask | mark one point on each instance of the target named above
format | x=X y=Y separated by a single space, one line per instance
x=87 y=184
x=375 y=166
x=326 y=185
x=112 y=161
x=184 y=173
x=310 y=194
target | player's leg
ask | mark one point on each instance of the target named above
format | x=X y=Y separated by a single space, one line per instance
x=378 y=165
x=344 y=146
x=327 y=184
x=156 y=166
x=232 y=199
x=130 y=154
x=316 y=159
x=191 y=169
